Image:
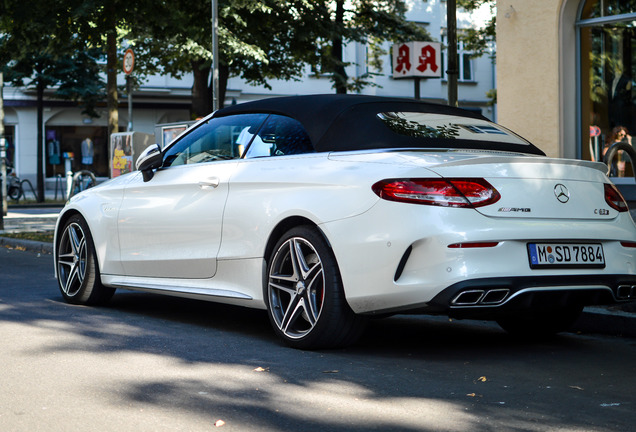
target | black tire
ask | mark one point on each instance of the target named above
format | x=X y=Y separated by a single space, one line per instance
x=541 y=323
x=77 y=269
x=304 y=293
x=14 y=193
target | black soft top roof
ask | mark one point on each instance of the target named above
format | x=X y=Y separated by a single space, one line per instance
x=337 y=122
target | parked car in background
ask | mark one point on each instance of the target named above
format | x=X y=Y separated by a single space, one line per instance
x=327 y=210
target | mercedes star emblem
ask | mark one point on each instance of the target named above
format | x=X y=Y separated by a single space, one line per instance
x=562 y=193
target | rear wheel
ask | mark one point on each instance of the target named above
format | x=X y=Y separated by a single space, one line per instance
x=304 y=293
x=542 y=322
x=14 y=192
x=77 y=270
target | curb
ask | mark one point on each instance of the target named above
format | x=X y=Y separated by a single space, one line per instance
x=596 y=319
x=28 y=245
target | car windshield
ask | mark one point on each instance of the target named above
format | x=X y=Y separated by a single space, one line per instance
x=442 y=126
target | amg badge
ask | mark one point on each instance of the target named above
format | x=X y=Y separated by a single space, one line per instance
x=514 y=209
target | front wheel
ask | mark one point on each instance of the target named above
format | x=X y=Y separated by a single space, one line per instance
x=77 y=270
x=304 y=293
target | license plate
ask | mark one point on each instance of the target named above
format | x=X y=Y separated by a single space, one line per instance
x=566 y=255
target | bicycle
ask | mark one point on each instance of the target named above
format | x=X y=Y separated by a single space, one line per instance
x=14 y=185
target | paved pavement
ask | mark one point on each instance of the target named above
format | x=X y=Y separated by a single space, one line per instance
x=612 y=320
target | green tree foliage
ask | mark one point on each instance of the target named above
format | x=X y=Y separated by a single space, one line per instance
x=38 y=49
x=258 y=41
x=479 y=40
x=268 y=39
x=372 y=22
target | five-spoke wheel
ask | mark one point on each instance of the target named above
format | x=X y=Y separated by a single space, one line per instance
x=304 y=293
x=77 y=271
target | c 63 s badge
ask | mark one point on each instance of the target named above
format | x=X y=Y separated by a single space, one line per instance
x=602 y=212
x=514 y=210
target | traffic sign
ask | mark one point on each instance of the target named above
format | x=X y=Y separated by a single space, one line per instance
x=129 y=61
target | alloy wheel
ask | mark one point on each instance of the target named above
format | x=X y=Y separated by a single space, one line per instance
x=72 y=259
x=296 y=287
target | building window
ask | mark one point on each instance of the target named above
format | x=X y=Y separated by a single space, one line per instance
x=607 y=34
x=465 y=62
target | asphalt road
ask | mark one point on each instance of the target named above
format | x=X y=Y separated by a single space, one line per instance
x=151 y=363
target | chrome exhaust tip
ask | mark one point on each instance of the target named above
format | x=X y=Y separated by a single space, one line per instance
x=495 y=296
x=468 y=298
x=481 y=297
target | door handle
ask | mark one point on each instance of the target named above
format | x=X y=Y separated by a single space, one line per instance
x=210 y=183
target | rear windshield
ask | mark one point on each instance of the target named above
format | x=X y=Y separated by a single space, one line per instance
x=443 y=126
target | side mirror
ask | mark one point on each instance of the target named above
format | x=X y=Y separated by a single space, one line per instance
x=150 y=159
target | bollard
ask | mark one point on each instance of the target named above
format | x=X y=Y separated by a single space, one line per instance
x=69 y=184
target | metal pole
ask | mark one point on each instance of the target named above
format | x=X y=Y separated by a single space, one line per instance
x=416 y=87
x=130 y=111
x=453 y=68
x=215 y=57
x=3 y=154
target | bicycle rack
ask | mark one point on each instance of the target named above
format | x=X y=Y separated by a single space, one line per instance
x=58 y=185
x=613 y=151
x=35 y=196
x=78 y=177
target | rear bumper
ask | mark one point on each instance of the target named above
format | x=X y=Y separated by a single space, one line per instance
x=489 y=298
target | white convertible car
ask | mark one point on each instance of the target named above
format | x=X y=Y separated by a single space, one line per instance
x=329 y=209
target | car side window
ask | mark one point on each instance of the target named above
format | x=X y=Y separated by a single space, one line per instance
x=219 y=138
x=280 y=136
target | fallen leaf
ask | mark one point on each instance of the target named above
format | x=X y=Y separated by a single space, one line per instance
x=576 y=387
x=219 y=423
x=260 y=369
x=330 y=371
x=482 y=379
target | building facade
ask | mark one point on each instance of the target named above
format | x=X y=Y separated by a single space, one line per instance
x=162 y=99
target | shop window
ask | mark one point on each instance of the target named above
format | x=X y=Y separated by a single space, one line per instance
x=608 y=79
x=604 y=8
x=86 y=145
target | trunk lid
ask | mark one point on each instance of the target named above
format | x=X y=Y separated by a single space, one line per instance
x=537 y=187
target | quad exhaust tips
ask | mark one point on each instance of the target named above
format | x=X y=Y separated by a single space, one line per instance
x=493 y=297
x=481 y=297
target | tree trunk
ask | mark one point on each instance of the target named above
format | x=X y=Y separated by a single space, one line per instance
x=112 y=99
x=201 y=101
x=339 y=74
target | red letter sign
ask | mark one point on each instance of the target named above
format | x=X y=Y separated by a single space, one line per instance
x=417 y=59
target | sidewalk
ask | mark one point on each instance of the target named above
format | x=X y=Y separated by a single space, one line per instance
x=29 y=219
x=609 y=320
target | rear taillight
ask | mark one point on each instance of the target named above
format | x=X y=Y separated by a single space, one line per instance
x=614 y=199
x=472 y=245
x=458 y=192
